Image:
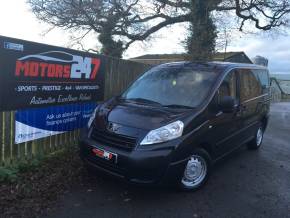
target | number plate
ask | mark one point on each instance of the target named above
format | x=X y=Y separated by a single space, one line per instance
x=109 y=156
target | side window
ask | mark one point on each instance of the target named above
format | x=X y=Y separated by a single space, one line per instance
x=229 y=85
x=263 y=77
x=250 y=85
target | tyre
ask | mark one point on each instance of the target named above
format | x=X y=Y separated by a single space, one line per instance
x=196 y=172
x=258 y=140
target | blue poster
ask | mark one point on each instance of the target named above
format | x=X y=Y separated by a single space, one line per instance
x=31 y=124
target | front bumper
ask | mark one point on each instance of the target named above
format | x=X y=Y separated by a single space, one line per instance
x=136 y=166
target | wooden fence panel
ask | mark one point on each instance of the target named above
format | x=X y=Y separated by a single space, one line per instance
x=12 y=153
x=6 y=136
x=120 y=74
x=1 y=139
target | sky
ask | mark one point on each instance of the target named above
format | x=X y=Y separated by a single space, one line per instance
x=17 y=21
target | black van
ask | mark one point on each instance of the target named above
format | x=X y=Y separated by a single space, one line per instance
x=176 y=120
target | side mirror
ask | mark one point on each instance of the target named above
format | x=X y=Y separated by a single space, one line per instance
x=227 y=104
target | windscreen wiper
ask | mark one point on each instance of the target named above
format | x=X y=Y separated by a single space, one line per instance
x=177 y=106
x=143 y=100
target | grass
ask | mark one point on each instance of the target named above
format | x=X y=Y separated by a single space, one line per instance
x=11 y=173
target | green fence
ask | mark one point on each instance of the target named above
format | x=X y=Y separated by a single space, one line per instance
x=280 y=90
x=119 y=74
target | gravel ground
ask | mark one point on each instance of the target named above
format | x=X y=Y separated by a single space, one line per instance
x=245 y=184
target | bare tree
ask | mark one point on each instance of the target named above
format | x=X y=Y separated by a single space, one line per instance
x=119 y=23
x=104 y=17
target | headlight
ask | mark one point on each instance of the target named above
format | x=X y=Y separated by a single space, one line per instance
x=163 y=134
x=92 y=117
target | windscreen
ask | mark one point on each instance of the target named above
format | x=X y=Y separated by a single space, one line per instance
x=181 y=86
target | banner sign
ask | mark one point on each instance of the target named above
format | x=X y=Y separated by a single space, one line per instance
x=38 y=123
x=38 y=75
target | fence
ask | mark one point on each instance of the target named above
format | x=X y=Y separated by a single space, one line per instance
x=119 y=74
x=280 y=90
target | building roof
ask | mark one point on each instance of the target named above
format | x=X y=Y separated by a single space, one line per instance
x=179 y=57
x=221 y=64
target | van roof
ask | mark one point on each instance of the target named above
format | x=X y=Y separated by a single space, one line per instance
x=222 y=65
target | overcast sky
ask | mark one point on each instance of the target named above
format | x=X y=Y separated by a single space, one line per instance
x=17 y=21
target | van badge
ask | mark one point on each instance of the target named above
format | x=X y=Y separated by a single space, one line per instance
x=113 y=127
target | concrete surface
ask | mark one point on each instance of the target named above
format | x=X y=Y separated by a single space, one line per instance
x=246 y=184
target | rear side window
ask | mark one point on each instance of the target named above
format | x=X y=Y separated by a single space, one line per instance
x=263 y=77
x=250 y=85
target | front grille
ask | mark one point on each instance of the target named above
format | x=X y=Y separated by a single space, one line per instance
x=113 y=140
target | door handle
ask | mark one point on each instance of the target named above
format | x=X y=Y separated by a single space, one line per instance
x=240 y=110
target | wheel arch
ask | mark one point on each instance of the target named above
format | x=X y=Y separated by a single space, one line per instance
x=207 y=147
x=264 y=121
